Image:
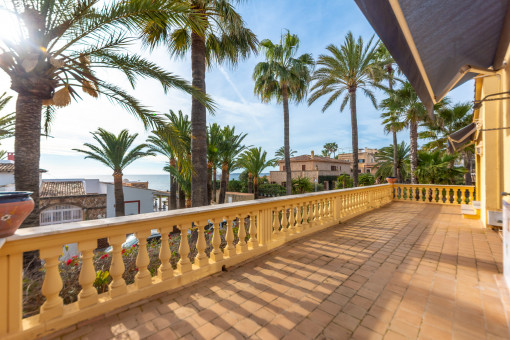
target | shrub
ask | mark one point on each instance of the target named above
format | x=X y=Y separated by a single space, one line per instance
x=270 y=190
x=344 y=181
x=366 y=179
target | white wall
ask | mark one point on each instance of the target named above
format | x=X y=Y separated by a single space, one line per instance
x=7 y=181
x=144 y=196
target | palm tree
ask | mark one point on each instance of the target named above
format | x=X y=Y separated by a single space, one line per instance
x=213 y=161
x=392 y=123
x=386 y=161
x=279 y=155
x=8 y=121
x=226 y=39
x=331 y=148
x=114 y=152
x=301 y=185
x=285 y=78
x=348 y=68
x=435 y=168
x=57 y=50
x=167 y=142
x=255 y=162
x=448 y=120
x=230 y=147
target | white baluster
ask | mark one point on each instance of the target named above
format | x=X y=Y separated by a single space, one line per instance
x=52 y=285
x=165 y=270
x=88 y=293
x=118 y=286
x=201 y=260
x=216 y=253
x=184 y=264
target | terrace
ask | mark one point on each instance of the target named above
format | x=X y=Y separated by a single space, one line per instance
x=355 y=262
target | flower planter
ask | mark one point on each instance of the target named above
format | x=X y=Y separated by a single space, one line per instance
x=391 y=180
x=15 y=206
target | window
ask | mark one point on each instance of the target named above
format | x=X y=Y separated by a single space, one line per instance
x=359 y=171
x=361 y=161
x=368 y=171
x=333 y=168
x=61 y=214
x=284 y=184
x=303 y=167
x=284 y=168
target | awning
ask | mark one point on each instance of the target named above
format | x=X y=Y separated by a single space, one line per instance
x=441 y=44
x=461 y=138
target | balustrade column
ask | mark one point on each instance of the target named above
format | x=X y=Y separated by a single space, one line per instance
x=230 y=249
x=118 y=286
x=276 y=223
x=201 y=260
x=184 y=264
x=285 y=222
x=216 y=253
x=143 y=277
x=292 y=227
x=52 y=285
x=88 y=293
x=165 y=270
x=242 y=247
x=304 y=217
x=253 y=242
x=299 y=218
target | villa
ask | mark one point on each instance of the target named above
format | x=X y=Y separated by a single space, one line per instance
x=318 y=169
x=387 y=261
x=366 y=160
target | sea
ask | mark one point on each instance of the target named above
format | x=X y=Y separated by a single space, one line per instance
x=156 y=182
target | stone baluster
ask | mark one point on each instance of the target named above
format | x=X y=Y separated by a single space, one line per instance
x=321 y=211
x=52 y=285
x=118 y=286
x=306 y=215
x=315 y=211
x=285 y=221
x=292 y=220
x=165 y=270
x=276 y=223
x=230 y=249
x=201 y=260
x=143 y=277
x=242 y=247
x=216 y=253
x=299 y=219
x=253 y=242
x=184 y=264
x=88 y=293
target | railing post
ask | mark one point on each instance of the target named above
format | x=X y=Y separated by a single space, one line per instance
x=184 y=264
x=265 y=226
x=11 y=295
x=165 y=270
x=88 y=294
x=216 y=254
x=118 y=286
x=52 y=285
x=143 y=277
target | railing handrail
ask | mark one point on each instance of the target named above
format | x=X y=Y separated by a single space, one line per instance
x=72 y=227
x=435 y=185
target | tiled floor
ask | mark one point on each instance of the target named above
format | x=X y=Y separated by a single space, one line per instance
x=403 y=271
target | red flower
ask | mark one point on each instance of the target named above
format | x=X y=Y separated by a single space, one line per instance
x=69 y=262
x=76 y=264
x=123 y=251
x=104 y=256
x=136 y=269
x=134 y=245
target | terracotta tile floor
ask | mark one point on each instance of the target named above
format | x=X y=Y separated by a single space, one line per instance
x=403 y=271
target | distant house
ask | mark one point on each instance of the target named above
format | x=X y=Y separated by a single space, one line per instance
x=366 y=160
x=7 y=175
x=316 y=168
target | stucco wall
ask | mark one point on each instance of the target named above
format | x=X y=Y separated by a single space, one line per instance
x=135 y=195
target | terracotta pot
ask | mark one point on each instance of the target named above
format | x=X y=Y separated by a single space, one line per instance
x=15 y=206
x=391 y=180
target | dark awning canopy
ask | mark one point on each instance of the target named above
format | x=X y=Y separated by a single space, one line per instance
x=441 y=44
x=461 y=138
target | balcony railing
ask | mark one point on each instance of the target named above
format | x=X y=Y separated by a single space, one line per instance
x=225 y=235
x=434 y=193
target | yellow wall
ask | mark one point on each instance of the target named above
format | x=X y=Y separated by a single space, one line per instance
x=493 y=166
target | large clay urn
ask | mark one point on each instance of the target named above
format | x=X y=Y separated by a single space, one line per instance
x=15 y=206
x=391 y=180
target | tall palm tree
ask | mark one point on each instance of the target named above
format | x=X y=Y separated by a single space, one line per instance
x=345 y=70
x=331 y=148
x=8 y=121
x=255 y=162
x=448 y=120
x=213 y=161
x=386 y=161
x=283 y=77
x=225 y=39
x=279 y=154
x=230 y=147
x=55 y=54
x=434 y=168
x=393 y=124
x=166 y=141
x=116 y=152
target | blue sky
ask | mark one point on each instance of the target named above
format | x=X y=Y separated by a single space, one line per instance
x=317 y=23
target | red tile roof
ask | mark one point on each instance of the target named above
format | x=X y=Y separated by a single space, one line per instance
x=62 y=188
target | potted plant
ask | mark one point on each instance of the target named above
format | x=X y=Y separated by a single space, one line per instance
x=15 y=206
x=391 y=180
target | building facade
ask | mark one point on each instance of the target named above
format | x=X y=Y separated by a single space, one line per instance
x=366 y=160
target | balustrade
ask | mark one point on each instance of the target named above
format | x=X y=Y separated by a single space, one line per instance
x=434 y=193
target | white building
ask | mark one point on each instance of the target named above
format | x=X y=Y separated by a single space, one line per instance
x=7 y=175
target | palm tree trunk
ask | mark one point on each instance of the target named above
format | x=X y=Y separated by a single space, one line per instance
x=223 y=183
x=119 y=193
x=468 y=165
x=198 y=125
x=172 y=201
x=181 y=195
x=256 y=187
x=27 y=150
x=288 y=182
x=354 y=127
x=209 y=182
x=250 y=182
x=214 y=184
x=413 y=134
x=395 y=153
